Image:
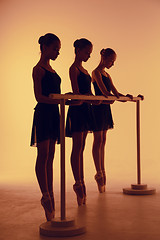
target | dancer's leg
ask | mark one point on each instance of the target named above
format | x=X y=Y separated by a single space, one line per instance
x=81 y=155
x=77 y=143
x=96 y=149
x=41 y=173
x=103 y=155
x=50 y=170
x=41 y=165
x=103 y=149
x=81 y=165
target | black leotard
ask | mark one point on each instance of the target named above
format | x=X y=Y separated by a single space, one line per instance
x=46 y=121
x=80 y=118
x=102 y=113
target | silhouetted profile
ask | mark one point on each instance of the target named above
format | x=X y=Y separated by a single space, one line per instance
x=79 y=118
x=46 y=122
x=103 y=85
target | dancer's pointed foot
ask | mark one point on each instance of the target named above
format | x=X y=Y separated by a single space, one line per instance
x=47 y=205
x=100 y=182
x=104 y=178
x=84 y=192
x=78 y=188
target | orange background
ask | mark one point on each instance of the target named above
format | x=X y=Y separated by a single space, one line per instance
x=132 y=29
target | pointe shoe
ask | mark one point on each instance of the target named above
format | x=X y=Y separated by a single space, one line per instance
x=84 y=192
x=104 y=177
x=100 y=182
x=47 y=205
x=78 y=188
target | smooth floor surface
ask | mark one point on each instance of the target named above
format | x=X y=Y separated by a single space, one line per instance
x=111 y=215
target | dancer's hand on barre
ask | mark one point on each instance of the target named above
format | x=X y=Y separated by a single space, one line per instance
x=121 y=95
x=127 y=95
x=141 y=96
x=130 y=96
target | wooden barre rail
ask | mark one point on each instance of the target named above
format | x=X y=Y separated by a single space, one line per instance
x=92 y=97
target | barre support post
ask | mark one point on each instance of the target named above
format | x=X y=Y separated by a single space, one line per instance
x=62 y=141
x=138 y=189
x=138 y=143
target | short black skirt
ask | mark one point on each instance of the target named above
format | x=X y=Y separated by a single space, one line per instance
x=79 y=119
x=46 y=123
x=102 y=117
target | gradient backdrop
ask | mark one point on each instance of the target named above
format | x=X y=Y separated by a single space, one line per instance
x=132 y=29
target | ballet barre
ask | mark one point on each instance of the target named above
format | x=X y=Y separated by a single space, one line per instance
x=65 y=226
x=71 y=96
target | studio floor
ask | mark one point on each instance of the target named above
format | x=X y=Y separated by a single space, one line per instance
x=111 y=215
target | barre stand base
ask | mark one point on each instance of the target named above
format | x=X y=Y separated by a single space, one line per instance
x=139 y=189
x=61 y=228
